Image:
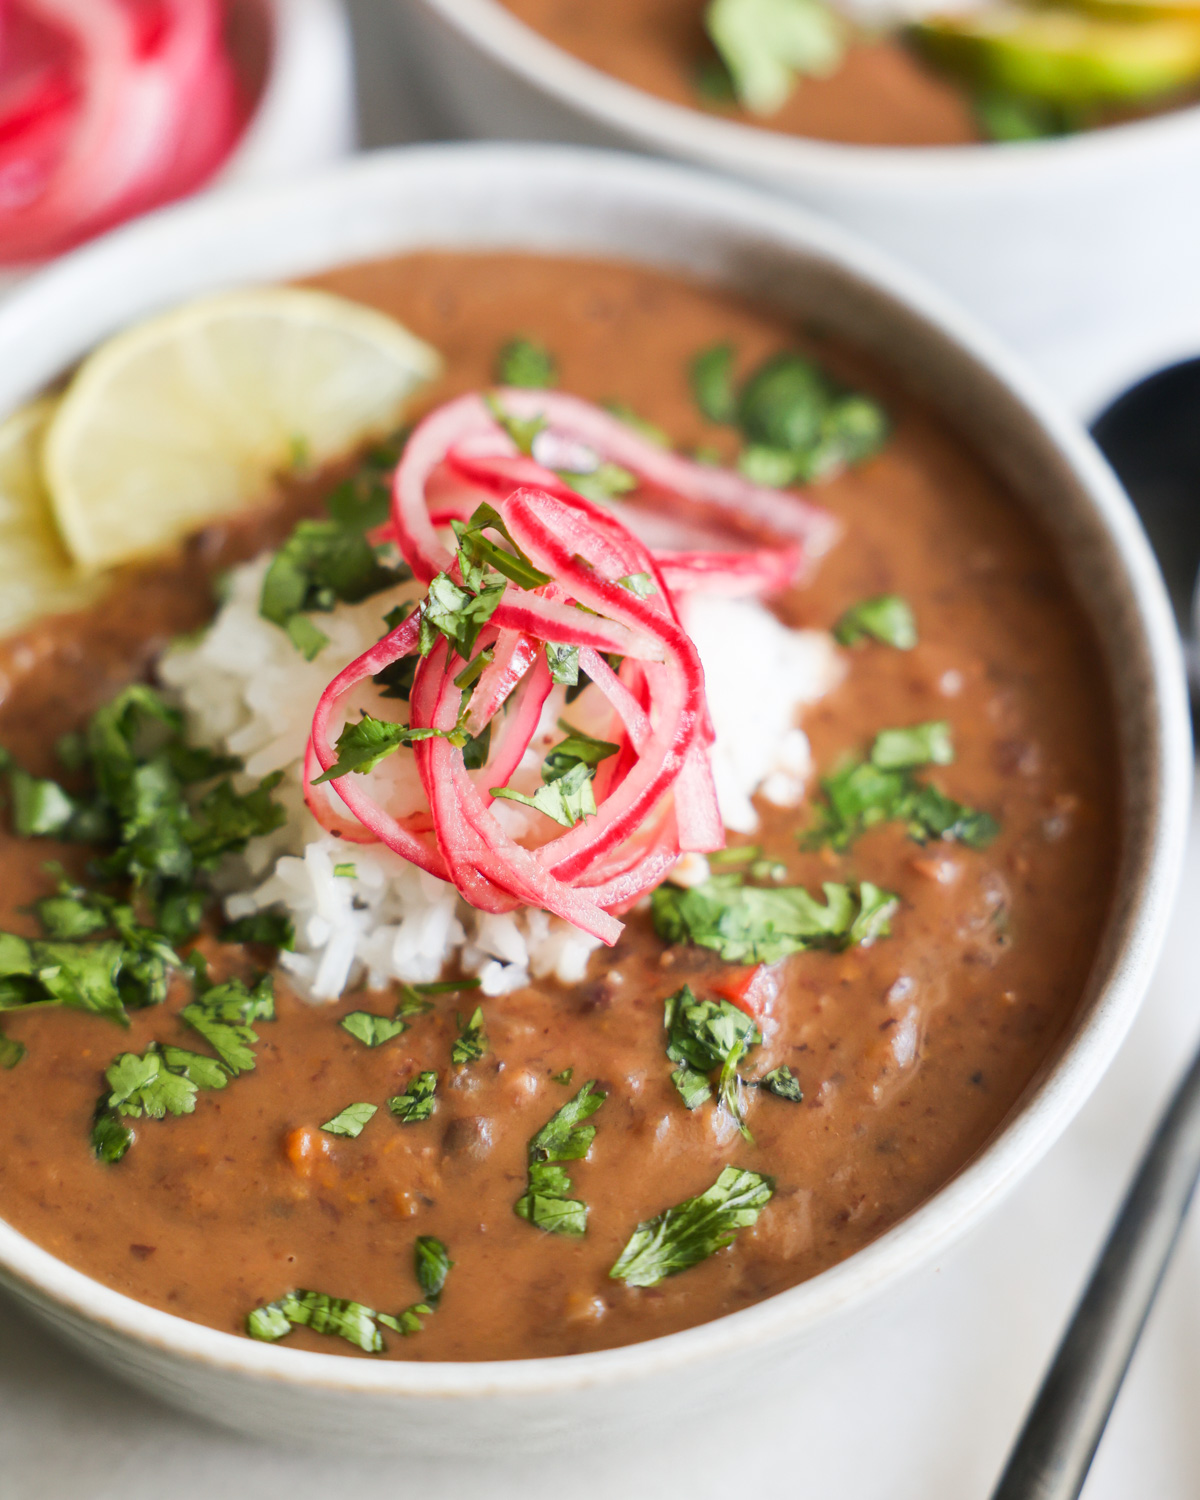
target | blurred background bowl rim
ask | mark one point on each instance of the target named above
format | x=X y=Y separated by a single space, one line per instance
x=663 y=126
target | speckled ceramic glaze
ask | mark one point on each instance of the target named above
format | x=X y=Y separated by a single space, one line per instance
x=1081 y=251
x=599 y=205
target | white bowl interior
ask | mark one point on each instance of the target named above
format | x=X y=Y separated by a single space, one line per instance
x=572 y=202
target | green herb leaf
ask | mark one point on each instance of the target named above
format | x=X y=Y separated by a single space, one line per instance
x=750 y=924
x=712 y=383
x=477 y=552
x=417 y=1102
x=204 y=1072
x=11 y=1051
x=40 y=808
x=693 y=1087
x=887 y=618
x=432 y=1264
x=640 y=584
x=322 y=564
x=768 y=44
x=351 y=1120
x=607 y=481
x=458 y=613
x=690 y=1232
x=110 y=1137
x=933 y=815
x=563 y=662
x=224 y=1015
x=919 y=745
x=564 y=1077
x=352 y=1321
x=362 y=745
x=146 y=1086
x=547 y=1203
x=371 y=1030
x=472 y=1042
x=272 y=928
x=783 y=1083
x=522 y=362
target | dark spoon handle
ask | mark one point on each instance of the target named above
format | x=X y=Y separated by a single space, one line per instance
x=1054 y=1452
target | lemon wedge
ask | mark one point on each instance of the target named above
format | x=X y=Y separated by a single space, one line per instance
x=187 y=417
x=37 y=577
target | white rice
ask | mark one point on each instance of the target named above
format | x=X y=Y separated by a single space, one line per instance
x=248 y=692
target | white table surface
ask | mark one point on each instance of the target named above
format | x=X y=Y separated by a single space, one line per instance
x=924 y=1412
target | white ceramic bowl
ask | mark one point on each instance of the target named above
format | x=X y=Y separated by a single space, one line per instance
x=563 y=200
x=304 y=118
x=1082 y=252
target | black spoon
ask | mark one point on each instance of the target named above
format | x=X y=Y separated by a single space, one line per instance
x=1151 y=436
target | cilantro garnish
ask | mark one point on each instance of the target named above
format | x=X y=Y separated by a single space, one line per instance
x=564 y=1077
x=690 y=1232
x=524 y=363
x=327 y=562
x=354 y=1321
x=472 y=1042
x=640 y=584
x=433 y=1264
x=362 y=745
x=884 y=789
x=546 y=1201
x=887 y=618
x=351 y=1120
x=567 y=773
x=797 y=424
x=162 y=1081
x=477 y=552
x=783 y=1083
x=272 y=928
x=563 y=662
x=704 y=1035
x=153 y=832
x=372 y=1030
x=753 y=924
x=417 y=1102
x=766 y=45
x=607 y=481
x=224 y=1014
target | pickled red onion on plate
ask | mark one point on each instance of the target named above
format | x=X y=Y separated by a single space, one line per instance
x=588 y=583
x=107 y=108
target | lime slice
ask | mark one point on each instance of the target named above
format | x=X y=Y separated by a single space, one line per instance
x=1063 y=56
x=187 y=417
x=37 y=577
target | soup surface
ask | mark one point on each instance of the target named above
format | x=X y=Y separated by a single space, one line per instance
x=910 y=1052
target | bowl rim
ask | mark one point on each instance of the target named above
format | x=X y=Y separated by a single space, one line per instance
x=662 y=126
x=231 y=220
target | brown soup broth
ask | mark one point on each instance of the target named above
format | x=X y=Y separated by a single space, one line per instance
x=910 y=1053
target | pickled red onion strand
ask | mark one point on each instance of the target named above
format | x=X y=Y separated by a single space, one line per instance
x=624 y=704
x=519 y=725
x=764 y=571
x=320 y=804
x=698 y=818
x=514 y=654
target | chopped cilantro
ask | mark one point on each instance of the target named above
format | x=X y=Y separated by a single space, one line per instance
x=929 y=744
x=40 y=808
x=417 y=1102
x=159 y=1082
x=327 y=562
x=782 y=1082
x=407 y=1322
x=347 y=871
x=567 y=773
x=472 y=1042
x=796 y=423
x=362 y=745
x=458 y=613
x=11 y=1051
x=564 y=1077
x=546 y=1201
x=351 y=1120
x=750 y=924
x=224 y=1014
x=640 y=584
x=563 y=662
x=766 y=45
x=690 y=1232
x=372 y=1030
x=864 y=793
x=704 y=1035
x=522 y=362
x=352 y=1321
x=607 y=481
x=432 y=1264
x=477 y=553
x=886 y=618
x=272 y=928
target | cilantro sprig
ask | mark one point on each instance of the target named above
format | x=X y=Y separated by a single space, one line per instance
x=756 y=924
x=567 y=775
x=547 y=1201
x=886 y=618
x=883 y=788
x=418 y=1100
x=689 y=1233
x=471 y=1044
x=796 y=423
